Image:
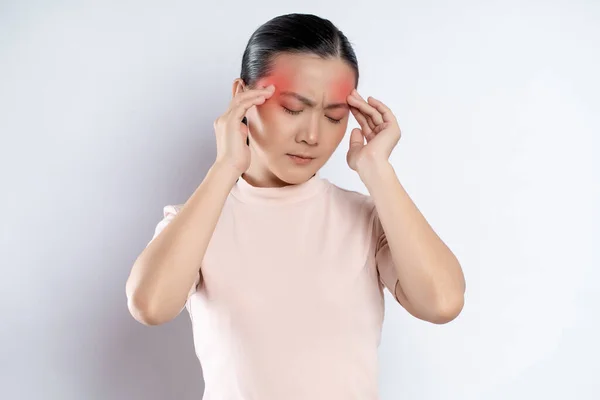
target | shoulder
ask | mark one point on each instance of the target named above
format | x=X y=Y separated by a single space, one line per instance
x=168 y=213
x=352 y=200
x=171 y=210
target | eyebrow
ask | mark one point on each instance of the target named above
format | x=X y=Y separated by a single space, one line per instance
x=311 y=103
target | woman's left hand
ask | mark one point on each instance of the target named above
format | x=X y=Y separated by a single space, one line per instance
x=378 y=126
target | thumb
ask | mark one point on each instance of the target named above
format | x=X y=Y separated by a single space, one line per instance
x=357 y=142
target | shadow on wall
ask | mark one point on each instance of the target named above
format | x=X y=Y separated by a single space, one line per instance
x=151 y=363
x=159 y=362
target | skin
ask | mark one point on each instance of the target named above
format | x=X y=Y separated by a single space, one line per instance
x=431 y=283
x=315 y=129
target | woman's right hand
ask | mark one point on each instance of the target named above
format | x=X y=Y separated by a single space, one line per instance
x=231 y=134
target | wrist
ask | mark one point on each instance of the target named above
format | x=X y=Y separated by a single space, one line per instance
x=225 y=172
x=369 y=168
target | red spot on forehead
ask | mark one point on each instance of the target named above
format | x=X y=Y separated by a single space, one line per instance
x=342 y=89
x=282 y=78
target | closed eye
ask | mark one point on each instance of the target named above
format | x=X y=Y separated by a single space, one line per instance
x=293 y=112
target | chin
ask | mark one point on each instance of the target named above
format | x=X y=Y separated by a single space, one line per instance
x=295 y=175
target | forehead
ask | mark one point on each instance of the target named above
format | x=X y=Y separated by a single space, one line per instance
x=311 y=75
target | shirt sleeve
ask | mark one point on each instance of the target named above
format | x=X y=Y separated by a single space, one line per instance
x=383 y=256
x=169 y=212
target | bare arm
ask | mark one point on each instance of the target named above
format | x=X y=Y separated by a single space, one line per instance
x=164 y=272
x=431 y=282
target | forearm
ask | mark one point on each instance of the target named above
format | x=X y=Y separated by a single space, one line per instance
x=164 y=272
x=430 y=276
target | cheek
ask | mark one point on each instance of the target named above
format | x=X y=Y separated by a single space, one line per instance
x=333 y=135
x=269 y=114
x=270 y=127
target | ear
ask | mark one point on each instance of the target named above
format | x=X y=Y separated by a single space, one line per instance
x=238 y=86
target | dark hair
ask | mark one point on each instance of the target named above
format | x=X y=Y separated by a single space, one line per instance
x=294 y=33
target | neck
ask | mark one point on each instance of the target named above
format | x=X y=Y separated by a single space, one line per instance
x=262 y=177
x=259 y=175
x=287 y=194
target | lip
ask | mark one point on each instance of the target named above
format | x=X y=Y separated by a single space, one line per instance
x=301 y=156
x=300 y=159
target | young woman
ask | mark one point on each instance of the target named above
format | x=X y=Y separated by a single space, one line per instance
x=281 y=271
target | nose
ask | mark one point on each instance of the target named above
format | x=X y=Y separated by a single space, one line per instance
x=310 y=132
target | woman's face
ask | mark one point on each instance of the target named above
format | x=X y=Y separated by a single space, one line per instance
x=306 y=116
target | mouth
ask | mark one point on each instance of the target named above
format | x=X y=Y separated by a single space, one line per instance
x=302 y=156
x=300 y=159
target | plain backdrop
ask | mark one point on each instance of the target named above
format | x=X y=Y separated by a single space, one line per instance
x=106 y=112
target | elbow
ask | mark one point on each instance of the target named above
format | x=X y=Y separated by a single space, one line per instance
x=142 y=309
x=449 y=309
x=142 y=313
x=450 y=302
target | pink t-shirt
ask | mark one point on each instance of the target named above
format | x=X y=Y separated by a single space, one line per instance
x=289 y=299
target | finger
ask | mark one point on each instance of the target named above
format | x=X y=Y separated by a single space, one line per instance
x=370 y=111
x=239 y=109
x=357 y=141
x=379 y=128
x=240 y=106
x=248 y=93
x=357 y=138
x=365 y=108
x=357 y=95
x=368 y=119
x=371 y=134
x=252 y=93
x=362 y=116
x=362 y=120
x=386 y=113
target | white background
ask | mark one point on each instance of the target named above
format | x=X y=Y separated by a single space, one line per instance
x=106 y=114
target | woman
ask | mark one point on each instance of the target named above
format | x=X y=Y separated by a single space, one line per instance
x=281 y=271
